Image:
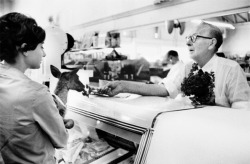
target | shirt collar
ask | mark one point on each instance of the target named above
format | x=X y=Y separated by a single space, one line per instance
x=10 y=71
x=210 y=65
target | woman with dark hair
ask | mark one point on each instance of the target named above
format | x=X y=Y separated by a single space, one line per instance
x=30 y=125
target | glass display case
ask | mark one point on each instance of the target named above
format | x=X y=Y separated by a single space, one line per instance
x=95 y=140
x=113 y=130
x=136 y=129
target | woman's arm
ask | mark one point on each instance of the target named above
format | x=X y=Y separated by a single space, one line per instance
x=47 y=116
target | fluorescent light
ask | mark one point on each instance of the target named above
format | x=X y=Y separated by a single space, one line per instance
x=102 y=34
x=219 y=24
x=197 y=21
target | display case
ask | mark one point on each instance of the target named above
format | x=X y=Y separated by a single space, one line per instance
x=136 y=129
x=208 y=135
x=117 y=129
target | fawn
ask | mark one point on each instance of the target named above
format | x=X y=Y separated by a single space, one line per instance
x=67 y=81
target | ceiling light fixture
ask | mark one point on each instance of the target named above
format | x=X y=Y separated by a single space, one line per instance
x=219 y=24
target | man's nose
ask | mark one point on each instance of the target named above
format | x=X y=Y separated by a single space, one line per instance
x=188 y=42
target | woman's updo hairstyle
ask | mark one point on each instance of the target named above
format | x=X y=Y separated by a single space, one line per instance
x=16 y=29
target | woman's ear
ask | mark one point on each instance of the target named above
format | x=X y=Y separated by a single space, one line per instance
x=23 y=47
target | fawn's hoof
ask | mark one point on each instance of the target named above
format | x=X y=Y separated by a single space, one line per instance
x=68 y=123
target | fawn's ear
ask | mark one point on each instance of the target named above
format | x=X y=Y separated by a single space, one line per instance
x=55 y=71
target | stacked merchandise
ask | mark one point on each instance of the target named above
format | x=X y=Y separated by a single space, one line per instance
x=90 y=148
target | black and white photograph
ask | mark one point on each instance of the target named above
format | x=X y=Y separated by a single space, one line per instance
x=124 y=81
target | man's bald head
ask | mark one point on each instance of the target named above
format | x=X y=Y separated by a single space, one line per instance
x=213 y=32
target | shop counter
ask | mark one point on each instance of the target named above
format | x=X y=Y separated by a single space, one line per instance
x=130 y=128
x=210 y=135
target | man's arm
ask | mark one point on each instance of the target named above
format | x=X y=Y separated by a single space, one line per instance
x=241 y=105
x=238 y=89
x=168 y=87
x=117 y=87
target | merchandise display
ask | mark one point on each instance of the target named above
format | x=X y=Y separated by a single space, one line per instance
x=90 y=147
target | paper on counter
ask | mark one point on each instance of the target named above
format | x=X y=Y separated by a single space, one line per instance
x=127 y=96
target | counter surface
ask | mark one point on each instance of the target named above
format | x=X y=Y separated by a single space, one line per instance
x=211 y=135
x=129 y=108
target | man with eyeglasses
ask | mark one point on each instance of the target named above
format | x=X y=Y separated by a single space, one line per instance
x=231 y=87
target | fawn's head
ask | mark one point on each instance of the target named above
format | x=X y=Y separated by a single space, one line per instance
x=67 y=79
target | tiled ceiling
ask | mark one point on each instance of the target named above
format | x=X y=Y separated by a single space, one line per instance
x=7 y=5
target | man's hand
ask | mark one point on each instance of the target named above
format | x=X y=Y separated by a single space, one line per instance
x=241 y=105
x=113 y=88
x=68 y=123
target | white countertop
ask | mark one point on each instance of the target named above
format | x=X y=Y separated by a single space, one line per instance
x=209 y=135
x=129 y=108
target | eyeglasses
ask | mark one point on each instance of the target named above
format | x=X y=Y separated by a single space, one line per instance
x=194 y=37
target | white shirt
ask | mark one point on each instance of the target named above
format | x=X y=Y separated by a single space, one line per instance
x=230 y=81
x=30 y=125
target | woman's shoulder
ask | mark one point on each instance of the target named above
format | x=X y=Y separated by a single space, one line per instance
x=29 y=90
x=38 y=87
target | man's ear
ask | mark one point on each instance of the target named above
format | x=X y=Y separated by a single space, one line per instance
x=213 y=43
